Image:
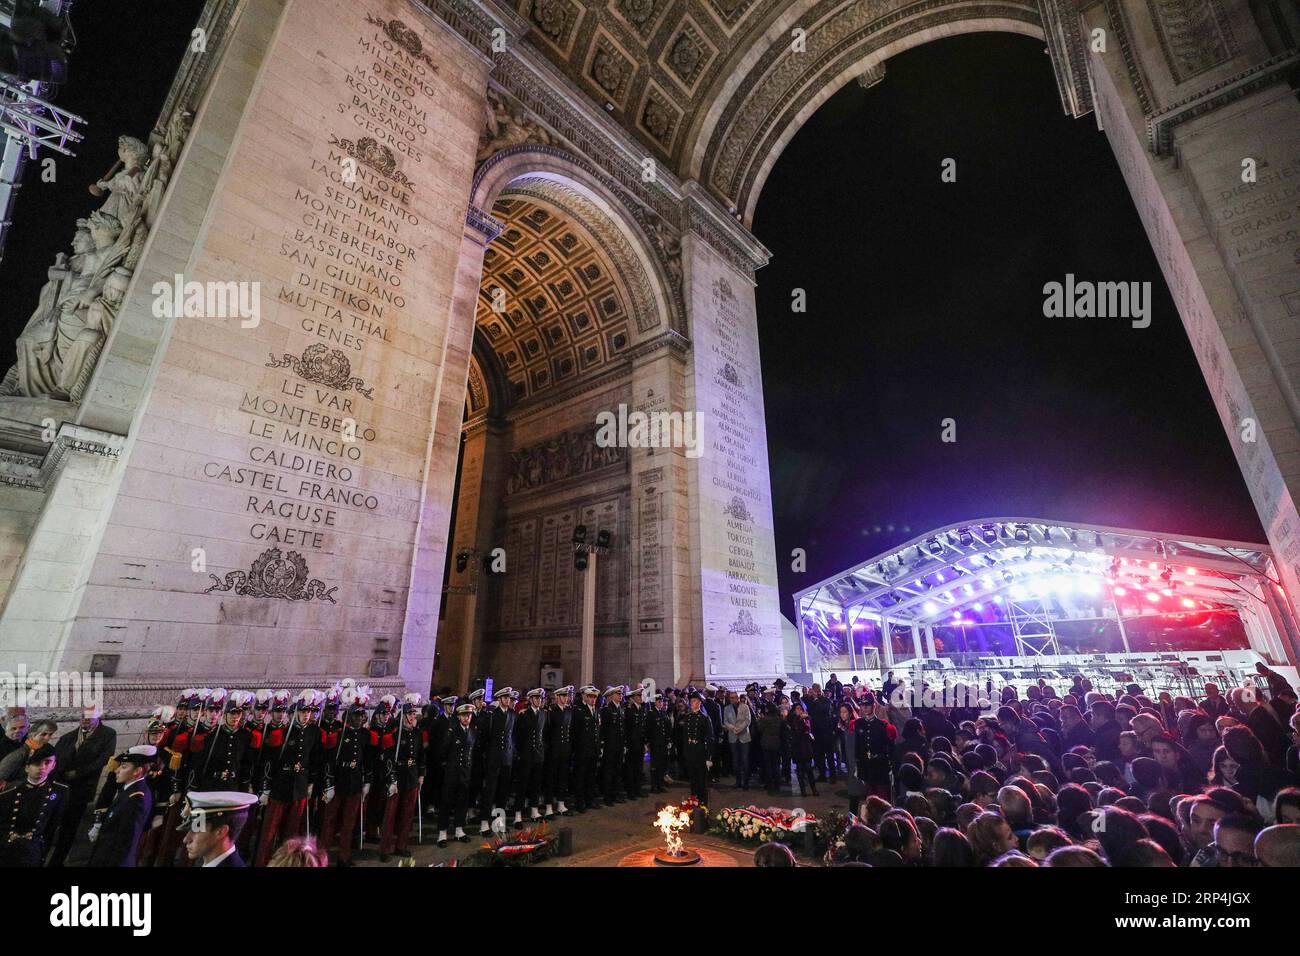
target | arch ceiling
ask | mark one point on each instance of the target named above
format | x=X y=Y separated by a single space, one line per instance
x=565 y=314
x=714 y=88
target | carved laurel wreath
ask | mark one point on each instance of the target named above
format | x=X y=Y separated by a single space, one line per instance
x=275 y=576
x=403 y=36
x=323 y=365
x=370 y=152
x=744 y=625
x=737 y=509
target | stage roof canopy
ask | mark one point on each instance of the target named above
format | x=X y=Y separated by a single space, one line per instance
x=937 y=577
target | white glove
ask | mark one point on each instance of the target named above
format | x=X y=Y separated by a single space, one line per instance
x=266 y=796
x=310 y=788
x=173 y=799
x=328 y=795
x=157 y=822
x=93 y=835
x=392 y=789
x=708 y=765
x=365 y=789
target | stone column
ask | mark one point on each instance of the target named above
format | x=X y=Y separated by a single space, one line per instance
x=483 y=473
x=663 y=638
x=732 y=545
x=1184 y=112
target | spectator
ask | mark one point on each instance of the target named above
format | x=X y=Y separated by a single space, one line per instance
x=82 y=754
x=1234 y=840
x=300 y=852
x=736 y=719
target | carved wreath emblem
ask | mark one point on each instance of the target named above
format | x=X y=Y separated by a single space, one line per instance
x=730 y=375
x=744 y=625
x=275 y=576
x=374 y=154
x=736 y=509
x=323 y=365
x=403 y=36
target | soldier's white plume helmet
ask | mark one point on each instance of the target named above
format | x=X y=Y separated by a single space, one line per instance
x=411 y=702
x=280 y=699
x=240 y=700
x=204 y=694
x=333 y=696
x=355 y=698
x=262 y=699
x=387 y=702
x=306 y=700
x=217 y=698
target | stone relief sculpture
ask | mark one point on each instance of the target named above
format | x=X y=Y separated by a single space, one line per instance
x=78 y=305
x=505 y=127
x=563 y=456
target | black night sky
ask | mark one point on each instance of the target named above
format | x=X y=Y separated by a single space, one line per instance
x=925 y=302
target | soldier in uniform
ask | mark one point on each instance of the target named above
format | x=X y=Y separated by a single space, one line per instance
x=176 y=744
x=498 y=756
x=161 y=778
x=383 y=724
x=586 y=751
x=478 y=700
x=31 y=810
x=634 y=720
x=290 y=769
x=457 y=760
x=222 y=757
x=559 y=752
x=402 y=767
x=612 y=746
x=119 y=827
x=658 y=732
x=436 y=723
x=530 y=756
x=212 y=823
x=347 y=768
x=697 y=746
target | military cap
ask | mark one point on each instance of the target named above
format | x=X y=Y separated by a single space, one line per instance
x=140 y=755
x=477 y=694
x=213 y=807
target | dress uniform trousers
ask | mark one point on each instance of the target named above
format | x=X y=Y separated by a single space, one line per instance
x=453 y=803
x=399 y=811
x=281 y=819
x=170 y=840
x=340 y=821
x=556 y=777
x=528 y=783
x=496 y=789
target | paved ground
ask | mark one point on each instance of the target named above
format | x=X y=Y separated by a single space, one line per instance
x=604 y=837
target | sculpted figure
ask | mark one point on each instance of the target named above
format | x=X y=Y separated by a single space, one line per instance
x=125 y=186
x=503 y=129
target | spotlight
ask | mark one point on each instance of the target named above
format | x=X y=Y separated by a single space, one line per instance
x=1120 y=592
x=930 y=607
x=989 y=533
x=602 y=538
x=1022 y=532
x=965 y=538
x=580 y=534
x=1152 y=596
x=935 y=546
x=1188 y=602
x=580 y=562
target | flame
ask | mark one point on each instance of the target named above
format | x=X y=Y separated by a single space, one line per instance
x=670 y=821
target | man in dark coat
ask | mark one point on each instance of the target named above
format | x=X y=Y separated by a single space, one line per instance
x=634 y=720
x=697 y=746
x=557 y=766
x=530 y=756
x=457 y=759
x=81 y=756
x=498 y=750
x=118 y=828
x=212 y=823
x=658 y=732
x=586 y=750
x=822 y=717
x=612 y=746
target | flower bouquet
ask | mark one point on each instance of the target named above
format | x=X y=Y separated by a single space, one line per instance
x=518 y=848
x=762 y=824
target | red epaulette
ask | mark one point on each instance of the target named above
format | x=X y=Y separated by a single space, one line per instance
x=197 y=741
x=388 y=740
x=329 y=739
x=254 y=739
x=424 y=737
x=374 y=738
x=274 y=737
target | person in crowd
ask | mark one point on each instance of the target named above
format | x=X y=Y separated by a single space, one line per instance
x=774 y=854
x=769 y=733
x=736 y=720
x=299 y=852
x=82 y=755
x=37 y=735
x=31 y=810
x=15 y=726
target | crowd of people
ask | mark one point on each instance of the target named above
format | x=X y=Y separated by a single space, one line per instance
x=1082 y=778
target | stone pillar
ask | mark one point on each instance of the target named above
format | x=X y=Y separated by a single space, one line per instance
x=281 y=502
x=663 y=638
x=1183 y=113
x=733 y=552
x=483 y=474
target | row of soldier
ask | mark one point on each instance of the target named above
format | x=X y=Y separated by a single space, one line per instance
x=333 y=765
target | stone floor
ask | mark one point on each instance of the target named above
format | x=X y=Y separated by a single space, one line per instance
x=609 y=836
